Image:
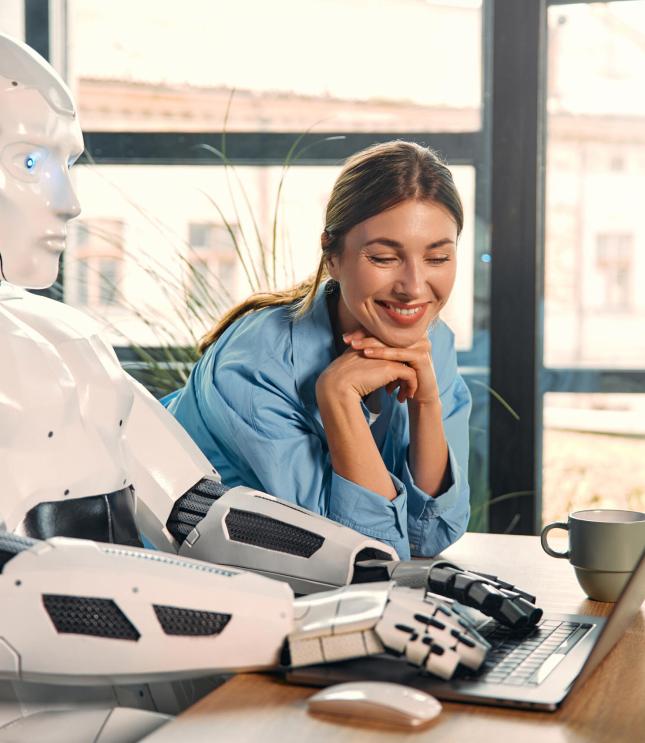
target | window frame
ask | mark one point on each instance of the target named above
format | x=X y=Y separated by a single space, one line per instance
x=513 y=120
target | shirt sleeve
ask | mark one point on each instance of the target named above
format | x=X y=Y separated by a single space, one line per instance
x=278 y=446
x=434 y=523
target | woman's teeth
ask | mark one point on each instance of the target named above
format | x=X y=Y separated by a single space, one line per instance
x=401 y=311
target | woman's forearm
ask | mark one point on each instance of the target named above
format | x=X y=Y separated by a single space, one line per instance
x=352 y=449
x=428 y=452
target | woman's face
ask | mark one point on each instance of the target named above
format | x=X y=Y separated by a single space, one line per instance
x=396 y=270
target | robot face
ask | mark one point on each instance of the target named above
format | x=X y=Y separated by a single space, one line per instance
x=38 y=144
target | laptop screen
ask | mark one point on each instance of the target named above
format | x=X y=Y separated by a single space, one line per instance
x=626 y=608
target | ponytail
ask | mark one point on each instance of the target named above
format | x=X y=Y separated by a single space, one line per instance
x=300 y=296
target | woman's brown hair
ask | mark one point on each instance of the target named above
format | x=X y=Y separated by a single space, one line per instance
x=371 y=181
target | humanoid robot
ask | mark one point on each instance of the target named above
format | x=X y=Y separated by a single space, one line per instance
x=93 y=627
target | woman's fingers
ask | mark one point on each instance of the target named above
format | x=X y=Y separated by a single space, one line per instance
x=406 y=381
x=355 y=335
x=414 y=357
x=413 y=365
x=358 y=344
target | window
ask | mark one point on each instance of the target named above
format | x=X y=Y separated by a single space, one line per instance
x=594 y=453
x=12 y=18
x=95 y=262
x=614 y=261
x=154 y=124
x=414 y=66
x=212 y=260
x=594 y=353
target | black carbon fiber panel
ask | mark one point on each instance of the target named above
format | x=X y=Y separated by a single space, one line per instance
x=262 y=531
x=191 y=508
x=85 y=615
x=193 y=622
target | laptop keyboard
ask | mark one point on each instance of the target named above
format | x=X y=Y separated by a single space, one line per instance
x=518 y=660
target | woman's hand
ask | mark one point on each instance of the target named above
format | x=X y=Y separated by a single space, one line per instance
x=428 y=451
x=356 y=373
x=367 y=365
x=416 y=357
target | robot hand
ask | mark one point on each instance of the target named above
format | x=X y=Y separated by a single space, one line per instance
x=487 y=593
x=366 y=620
x=492 y=596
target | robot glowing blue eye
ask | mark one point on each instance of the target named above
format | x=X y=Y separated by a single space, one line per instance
x=30 y=162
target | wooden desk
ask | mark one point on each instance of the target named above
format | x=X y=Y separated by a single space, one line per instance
x=610 y=707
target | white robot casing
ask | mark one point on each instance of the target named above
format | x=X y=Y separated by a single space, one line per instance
x=309 y=552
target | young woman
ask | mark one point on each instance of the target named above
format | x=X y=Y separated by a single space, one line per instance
x=342 y=394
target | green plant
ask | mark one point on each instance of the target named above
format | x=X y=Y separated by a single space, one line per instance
x=197 y=295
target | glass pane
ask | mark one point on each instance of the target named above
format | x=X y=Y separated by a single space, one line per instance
x=81 y=283
x=12 y=21
x=109 y=281
x=185 y=243
x=594 y=453
x=338 y=65
x=595 y=234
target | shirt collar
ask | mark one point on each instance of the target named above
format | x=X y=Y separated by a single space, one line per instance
x=313 y=348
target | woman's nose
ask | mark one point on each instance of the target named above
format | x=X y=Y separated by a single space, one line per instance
x=410 y=280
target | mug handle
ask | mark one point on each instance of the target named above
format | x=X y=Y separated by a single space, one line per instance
x=545 y=545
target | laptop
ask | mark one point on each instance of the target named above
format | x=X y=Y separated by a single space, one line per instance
x=537 y=670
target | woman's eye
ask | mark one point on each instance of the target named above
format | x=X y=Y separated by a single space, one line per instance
x=438 y=260
x=382 y=260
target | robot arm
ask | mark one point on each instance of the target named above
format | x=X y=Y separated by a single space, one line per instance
x=164 y=464
x=76 y=611
x=258 y=532
x=183 y=506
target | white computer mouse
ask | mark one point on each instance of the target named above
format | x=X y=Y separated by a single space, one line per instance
x=377 y=701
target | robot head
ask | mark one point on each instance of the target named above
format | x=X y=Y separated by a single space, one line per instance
x=40 y=138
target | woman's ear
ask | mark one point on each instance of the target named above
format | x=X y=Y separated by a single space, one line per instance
x=333 y=267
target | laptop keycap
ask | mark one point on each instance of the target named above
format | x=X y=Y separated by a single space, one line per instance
x=516 y=660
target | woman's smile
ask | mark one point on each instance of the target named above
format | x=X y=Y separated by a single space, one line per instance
x=403 y=314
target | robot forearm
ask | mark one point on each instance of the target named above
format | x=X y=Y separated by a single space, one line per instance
x=182 y=506
x=82 y=612
x=255 y=531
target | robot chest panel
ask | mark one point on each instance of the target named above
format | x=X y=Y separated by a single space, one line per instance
x=57 y=384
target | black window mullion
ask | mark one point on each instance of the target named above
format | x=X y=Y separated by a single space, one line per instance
x=262 y=148
x=519 y=31
x=593 y=380
x=37 y=26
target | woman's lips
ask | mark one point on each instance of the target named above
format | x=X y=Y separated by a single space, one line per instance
x=403 y=314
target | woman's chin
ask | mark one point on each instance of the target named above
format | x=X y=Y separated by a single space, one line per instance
x=401 y=338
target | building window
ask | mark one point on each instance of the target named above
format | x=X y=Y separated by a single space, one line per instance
x=212 y=261
x=99 y=262
x=614 y=261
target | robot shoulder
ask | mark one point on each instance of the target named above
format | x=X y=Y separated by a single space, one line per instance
x=55 y=321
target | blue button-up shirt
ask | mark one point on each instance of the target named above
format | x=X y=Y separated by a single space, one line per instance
x=250 y=405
